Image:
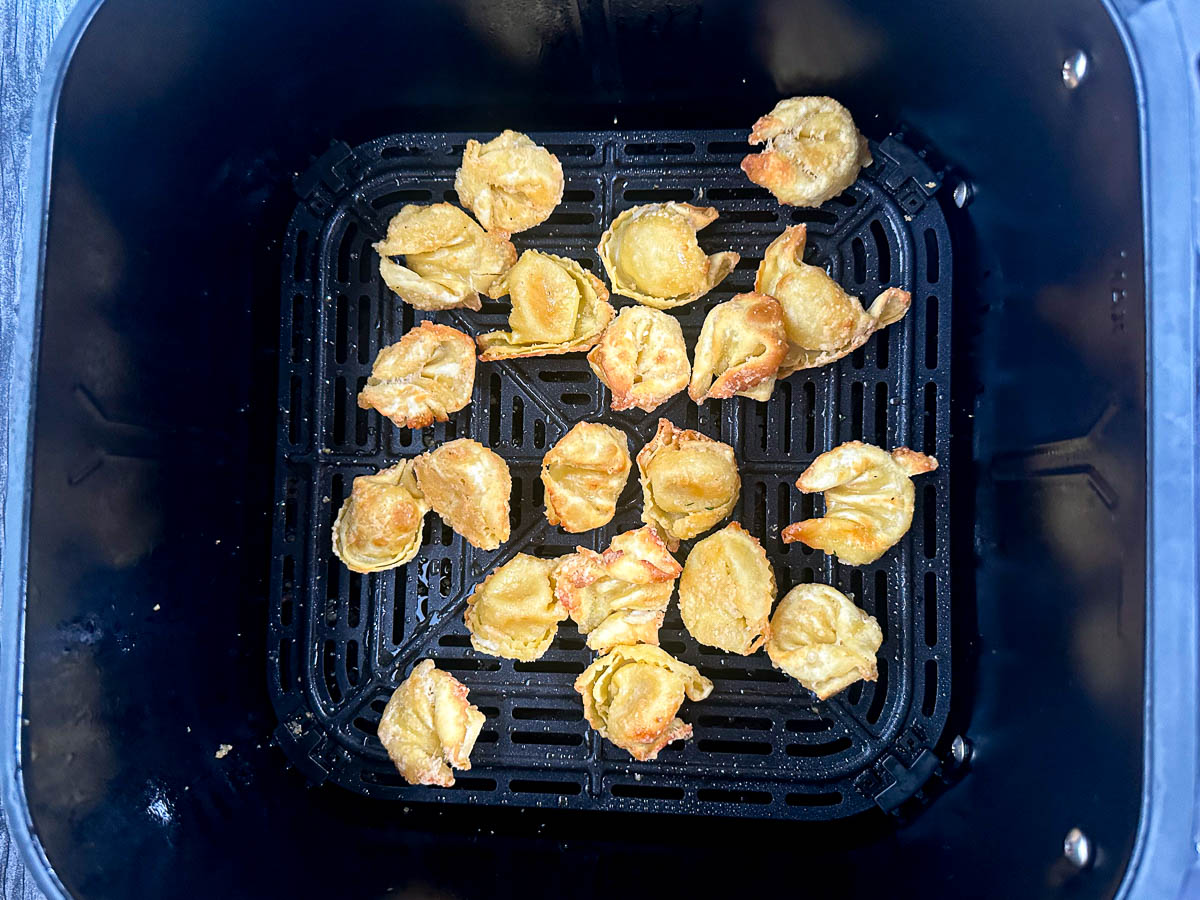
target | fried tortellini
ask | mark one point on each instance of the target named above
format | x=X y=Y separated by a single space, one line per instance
x=652 y=256
x=448 y=259
x=379 y=525
x=428 y=726
x=739 y=349
x=584 y=474
x=813 y=152
x=823 y=322
x=514 y=612
x=869 y=500
x=641 y=358
x=510 y=183
x=820 y=638
x=690 y=482
x=619 y=596
x=423 y=377
x=468 y=485
x=726 y=591
x=631 y=696
x=557 y=307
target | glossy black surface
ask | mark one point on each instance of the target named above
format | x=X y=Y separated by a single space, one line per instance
x=179 y=131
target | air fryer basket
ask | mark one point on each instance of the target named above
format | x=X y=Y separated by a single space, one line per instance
x=146 y=582
x=340 y=642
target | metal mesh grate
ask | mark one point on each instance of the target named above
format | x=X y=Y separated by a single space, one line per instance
x=763 y=746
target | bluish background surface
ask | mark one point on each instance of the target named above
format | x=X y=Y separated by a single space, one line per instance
x=27 y=29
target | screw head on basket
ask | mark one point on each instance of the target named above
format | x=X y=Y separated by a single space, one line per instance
x=1077 y=848
x=961 y=750
x=1074 y=69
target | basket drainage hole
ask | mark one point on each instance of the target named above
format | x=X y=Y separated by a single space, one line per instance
x=807 y=726
x=647 y=791
x=473 y=784
x=829 y=748
x=469 y=665
x=832 y=798
x=716 y=795
x=742 y=722
x=741 y=748
x=929 y=700
x=878 y=694
x=547 y=738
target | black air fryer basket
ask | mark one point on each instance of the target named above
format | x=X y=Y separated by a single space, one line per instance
x=340 y=642
x=193 y=681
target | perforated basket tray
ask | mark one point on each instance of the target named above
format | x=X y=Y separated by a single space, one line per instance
x=763 y=746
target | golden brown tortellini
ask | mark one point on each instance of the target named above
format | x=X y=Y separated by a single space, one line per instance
x=510 y=183
x=813 y=151
x=428 y=726
x=652 y=256
x=820 y=638
x=740 y=347
x=448 y=259
x=584 y=474
x=619 y=596
x=514 y=612
x=641 y=358
x=869 y=500
x=632 y=694
x=689 y=482
x=423 y=377
x=379 y=525
x=726 y=591
x=557 y=307
x=468 y=485
x=823 y=322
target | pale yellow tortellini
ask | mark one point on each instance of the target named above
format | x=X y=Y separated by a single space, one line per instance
x=584 y=474
x=631 y=695
x=428 y=726
x=557 y=307
x=379 y=525
x=813 y=152
x=423 y=377
x=510 y=183
x=822 y=321
x=726 y=591
x=820 y=638
x=741 y=345
x=652 y=256
x=619 y=596
x=690 y=482
x=869 y=500
x=514 y=612
x=469 y=486
x=641 y=358
x=448 y=259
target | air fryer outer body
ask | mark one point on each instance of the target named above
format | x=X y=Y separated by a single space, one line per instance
x=142 y=437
